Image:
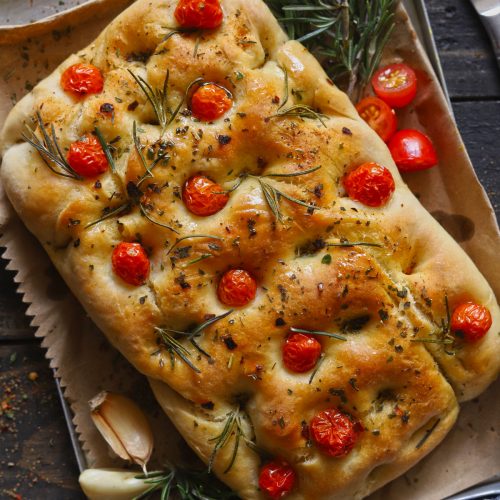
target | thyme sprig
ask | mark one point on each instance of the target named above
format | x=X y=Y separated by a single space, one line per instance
x=159 y=98
x=232 y=427
x=169 y=339
x=185 y=485
x=49 y=150
x=348 y=35
x=272 y=195
x=319 y=332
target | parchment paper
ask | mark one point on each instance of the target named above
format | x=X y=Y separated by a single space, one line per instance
x=85 y=362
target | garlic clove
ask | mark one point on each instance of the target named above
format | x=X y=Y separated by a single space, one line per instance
x=124 y=426
x=111 y=484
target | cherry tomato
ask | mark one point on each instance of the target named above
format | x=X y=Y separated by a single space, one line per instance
x=334 y=432
x=236 y=288
x=301 y=352
x=86 y=157
x=203 y=196
x=277 y=478
x=379 y=116
x=210 y=101
x=370 y=183
x=130 y=263
x=470 y=321
x=82 y=79
x=395 y=84
x=411 y=151
x=200 y=14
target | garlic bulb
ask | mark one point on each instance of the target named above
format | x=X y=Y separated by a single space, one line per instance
x=111 y=484
x=124 y=426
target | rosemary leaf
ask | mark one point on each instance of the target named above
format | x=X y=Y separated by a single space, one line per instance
x=105 y=148
x=354 y=244
x=318 y=364
x=294 y=174
x=319 y=332
x=209 y=236
x=427 y=434
x=112 y=213
x=150 y=219
x=199 y=259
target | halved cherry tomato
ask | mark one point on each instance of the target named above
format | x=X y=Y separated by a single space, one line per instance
x=395 y=84
x=370 y=183
x=210 y=101
x=379 y=116
x=411 y=151
x=203 y=196
x=130 y=263
x=200 y=14
x=301 y=352
x=334 y=432
x=86 y=157
x=277 y=478
x=470 y=321
x=82 y=79
x=237 y=288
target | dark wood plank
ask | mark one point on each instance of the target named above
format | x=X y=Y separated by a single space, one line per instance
x=479 y=124
x=14 y=324
x=36 y=460
x=464 y=48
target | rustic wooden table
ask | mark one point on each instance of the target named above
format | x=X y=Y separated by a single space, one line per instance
x=36 y=458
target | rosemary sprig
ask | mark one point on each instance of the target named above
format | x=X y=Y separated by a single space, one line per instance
x=349 y=35
x=233 y=426
x=111 y=213
x=443 y=333
x=296 y=110
x=159 y=98
x=49 y=150
x=319 y=332
x=106 y=149
x=301 y=111
x=185 y=485
x=174 y=347
x=273 y=195
x=179 y=240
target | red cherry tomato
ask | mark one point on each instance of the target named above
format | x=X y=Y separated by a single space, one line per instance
x=370 y=183
x=277 y=479
x=411 y=151
x=82 y=79
x=236 y=288
x=210 y=101
x=395 y=84
x=200 y=14
x=86 y=157
x=301 y=352
x=203 y=196
x=130 y=263
x=470 y=321
x=334 y=432
x=379 y=116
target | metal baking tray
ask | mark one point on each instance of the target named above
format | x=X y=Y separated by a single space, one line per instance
x=20 y=12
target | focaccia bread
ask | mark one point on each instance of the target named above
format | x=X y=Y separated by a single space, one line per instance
x=384 y=279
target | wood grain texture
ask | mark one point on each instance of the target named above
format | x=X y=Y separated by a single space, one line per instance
x=38 y=460
x=470 y=68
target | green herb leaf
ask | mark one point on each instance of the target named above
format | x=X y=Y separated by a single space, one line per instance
x=319 y=332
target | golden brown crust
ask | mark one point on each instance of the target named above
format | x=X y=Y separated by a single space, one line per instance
x=378 y=375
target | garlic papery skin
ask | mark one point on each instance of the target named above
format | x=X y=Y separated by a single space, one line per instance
x=111 y=484
x=124 y=427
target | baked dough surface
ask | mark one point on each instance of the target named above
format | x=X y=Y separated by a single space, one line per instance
x=399 y=289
